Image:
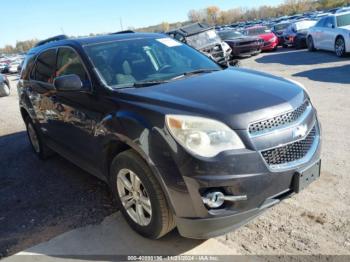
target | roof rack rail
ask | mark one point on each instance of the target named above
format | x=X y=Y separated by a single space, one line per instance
x=51 y=39
x=122 y=32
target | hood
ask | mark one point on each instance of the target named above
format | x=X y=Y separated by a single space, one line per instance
x=267 y=36
x=347 y=27
x=235 y=96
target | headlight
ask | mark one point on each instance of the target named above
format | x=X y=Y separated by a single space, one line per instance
x=299 y=84
x=202 y=136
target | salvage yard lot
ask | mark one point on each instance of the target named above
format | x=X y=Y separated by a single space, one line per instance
x=40 y=200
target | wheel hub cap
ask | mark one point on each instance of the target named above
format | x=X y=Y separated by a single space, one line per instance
x=134 y=197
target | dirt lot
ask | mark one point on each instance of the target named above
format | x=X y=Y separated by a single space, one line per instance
x=40 y=200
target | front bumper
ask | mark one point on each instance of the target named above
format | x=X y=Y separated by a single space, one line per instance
x=211 y=227
x=268 y=46
x=235 y=173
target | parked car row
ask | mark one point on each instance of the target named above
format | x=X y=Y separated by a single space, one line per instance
x=328 y=30
x=11 y=64
x=5 y=87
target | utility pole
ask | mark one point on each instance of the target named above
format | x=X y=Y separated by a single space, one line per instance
x=121 y=24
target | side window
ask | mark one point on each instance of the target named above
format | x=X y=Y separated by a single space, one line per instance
x=321 y=23
x=45 y=66
x=68 y=63
x=330 y=22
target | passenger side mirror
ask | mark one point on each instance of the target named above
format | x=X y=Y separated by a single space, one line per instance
x=68 y=83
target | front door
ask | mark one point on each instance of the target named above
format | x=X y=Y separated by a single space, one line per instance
x=74 y=127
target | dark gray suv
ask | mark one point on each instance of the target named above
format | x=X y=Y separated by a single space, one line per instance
x=180 y=140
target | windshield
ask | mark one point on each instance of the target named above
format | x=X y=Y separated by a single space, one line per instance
x=124 y=63
x=257 y=31
x=203 y=39
x=343 y=20
x=230 y=35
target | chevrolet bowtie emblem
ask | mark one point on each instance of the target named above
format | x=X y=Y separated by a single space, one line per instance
x=300 y=131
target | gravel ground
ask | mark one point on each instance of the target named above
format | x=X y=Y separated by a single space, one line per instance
x=40 y=200
x=316 y=221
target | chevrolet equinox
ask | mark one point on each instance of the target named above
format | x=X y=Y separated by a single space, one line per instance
x=180 y=140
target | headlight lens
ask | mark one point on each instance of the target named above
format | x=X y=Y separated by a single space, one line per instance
x=202 y=136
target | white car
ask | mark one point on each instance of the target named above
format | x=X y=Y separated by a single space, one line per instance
x=13 y=68
x=331 y=33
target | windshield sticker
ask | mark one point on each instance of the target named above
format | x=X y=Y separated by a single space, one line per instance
x=169 y=42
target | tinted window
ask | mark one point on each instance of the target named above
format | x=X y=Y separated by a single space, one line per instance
x=329 y=22
x=257 y=31
x=321 y=23
x=45 y=66
x=68 y=63
x=230 y=35
x=343 y=20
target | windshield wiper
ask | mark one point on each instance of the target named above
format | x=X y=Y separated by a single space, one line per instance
x=149 y=83
x=157 y=82
x=195 y=72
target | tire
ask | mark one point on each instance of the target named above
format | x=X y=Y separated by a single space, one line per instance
x=339 y=47
x=310 y=44
x=36 y=140
x=297 y=44
x=155 y=218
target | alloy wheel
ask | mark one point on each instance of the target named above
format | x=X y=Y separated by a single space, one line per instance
x=340 y=47
x=134 y=197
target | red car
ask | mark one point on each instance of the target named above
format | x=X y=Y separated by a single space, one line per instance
x=270 y=39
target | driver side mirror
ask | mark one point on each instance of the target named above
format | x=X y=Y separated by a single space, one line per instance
x=68 y=83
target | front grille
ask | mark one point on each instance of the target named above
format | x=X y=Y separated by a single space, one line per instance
x=291 y=152
x=215 y=51
x=278 y=121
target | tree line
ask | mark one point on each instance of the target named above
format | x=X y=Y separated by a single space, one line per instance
x=214 y=16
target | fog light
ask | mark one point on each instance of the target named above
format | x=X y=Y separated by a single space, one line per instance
x=216 y=199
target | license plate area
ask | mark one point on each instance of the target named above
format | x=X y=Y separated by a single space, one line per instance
x=302 y=179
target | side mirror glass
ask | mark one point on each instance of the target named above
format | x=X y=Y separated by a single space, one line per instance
x=68 y=83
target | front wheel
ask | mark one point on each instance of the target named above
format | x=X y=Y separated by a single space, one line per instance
x=339 y=47
x=140 y=196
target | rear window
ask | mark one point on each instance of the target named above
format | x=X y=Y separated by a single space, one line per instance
x=343 y=20
x=257 y=31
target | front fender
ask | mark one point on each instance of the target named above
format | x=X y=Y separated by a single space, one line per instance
x=151 y=142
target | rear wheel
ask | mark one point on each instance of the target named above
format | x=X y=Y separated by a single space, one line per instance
x=310 y=44
x=339 y=47
x=37 y=142
x=140 y=196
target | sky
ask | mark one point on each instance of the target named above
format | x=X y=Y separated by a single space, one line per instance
x=28 y=19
